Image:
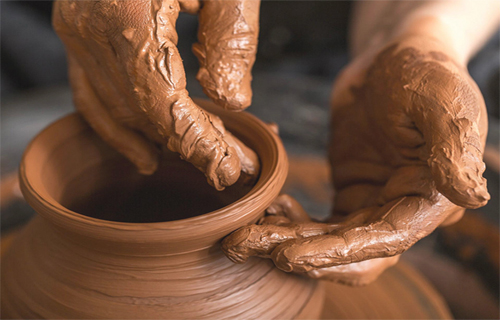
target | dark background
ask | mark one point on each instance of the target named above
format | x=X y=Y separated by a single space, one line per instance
x=302 y=47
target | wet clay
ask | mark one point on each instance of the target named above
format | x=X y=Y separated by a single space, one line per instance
x=129 y=83
x=226 y=50
x=406 y=157
x=69 y=265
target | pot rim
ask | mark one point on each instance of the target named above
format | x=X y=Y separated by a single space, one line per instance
x=207 y=228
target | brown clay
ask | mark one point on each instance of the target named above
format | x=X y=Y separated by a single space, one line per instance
x=226 y=51
x=129 y=83
x=406 y=156
x=69 y=265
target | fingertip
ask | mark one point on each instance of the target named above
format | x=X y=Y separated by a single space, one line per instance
x=237 y=101
x=465 y=187
x=233 y=245
x=147 y=171
x=224 y=172
x=280 y=259
x=149 y=167
x=477 y=198
x=223 y=93
x=236 y=257
x=467 y=197
x=215 y=184
x=238 y=237
x=249 y=161
x=227 y=54
x=228 y=170
x=479 y=195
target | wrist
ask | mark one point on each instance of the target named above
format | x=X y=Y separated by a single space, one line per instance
x=433 y=33
x=423 y=30
x=460 y=26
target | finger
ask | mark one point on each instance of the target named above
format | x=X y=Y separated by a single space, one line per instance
x=290 y=208
x=274 y=219
x=453 y=217
x=226 y=50
x=355 y=274
x=390 y=230
x=157 y=77
x=415 y=180
x=193 y=135
x=261 y=240
x=447 y=111
x=284 y=210
x=250 y=165
x=133 y=146
x=142 y=39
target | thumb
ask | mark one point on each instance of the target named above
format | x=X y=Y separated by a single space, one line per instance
x=449 y=119
x=226 y=50
x=290 y=208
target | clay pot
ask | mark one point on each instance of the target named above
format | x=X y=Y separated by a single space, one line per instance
x=69 y=265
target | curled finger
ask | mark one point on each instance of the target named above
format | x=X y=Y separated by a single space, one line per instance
x=389 y=230
x=261 y=240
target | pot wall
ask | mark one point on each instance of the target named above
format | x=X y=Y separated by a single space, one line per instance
x=67 y=265
x=47 y=275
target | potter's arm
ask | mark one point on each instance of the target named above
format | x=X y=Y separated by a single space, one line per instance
x=408 y=131
x=446 y=34
x=129 y=83
x=464 y=25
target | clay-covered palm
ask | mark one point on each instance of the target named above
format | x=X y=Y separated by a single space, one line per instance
x=129 y=83
x=407 y=134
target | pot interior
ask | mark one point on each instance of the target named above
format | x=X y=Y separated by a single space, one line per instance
x=86 y=176
x=176 y=191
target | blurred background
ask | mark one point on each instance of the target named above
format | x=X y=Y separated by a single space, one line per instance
x=302 y=47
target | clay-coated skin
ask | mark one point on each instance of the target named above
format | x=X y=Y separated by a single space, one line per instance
x=129 y=83
x=408 y=132
x=226 y=51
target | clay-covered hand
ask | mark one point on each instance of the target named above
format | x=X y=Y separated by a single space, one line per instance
x=407 y=136
x=285 y=220
x=129 y=83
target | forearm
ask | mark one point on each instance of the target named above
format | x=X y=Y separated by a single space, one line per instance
x=461 y=25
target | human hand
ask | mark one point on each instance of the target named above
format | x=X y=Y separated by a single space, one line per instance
x=408 y=131
x=286 y=220
x=129 y=83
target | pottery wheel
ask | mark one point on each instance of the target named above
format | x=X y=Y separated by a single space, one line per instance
x=400 y=293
